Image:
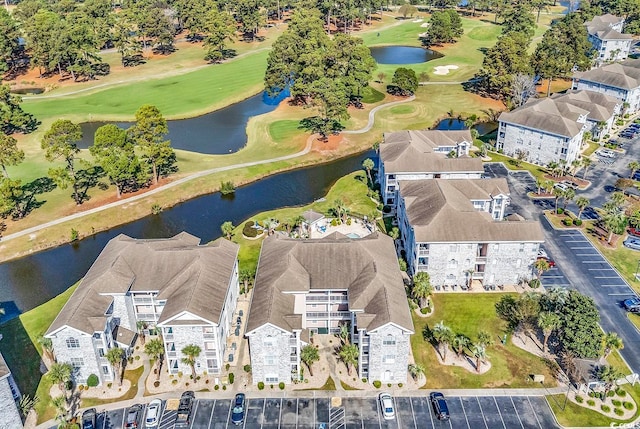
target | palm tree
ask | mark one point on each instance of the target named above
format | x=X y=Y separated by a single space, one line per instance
x=114 y=356
x=246 y=277
x=575 y=165
x=339 y=210
x=479 y=352
x=634 y=219
x=416 y=370
x=557 y=193
x=349 y=354
x=60 y=374
x=141 y=326
x=191 y=353
x=344 y=333
x=27 y=403
x=155 y=350
x=617 y=198
x=582 y=204
x=485 y=338
x=567 y=195
x=586 y=163
x=394 y=233
x=368 y=165
x=611 y=341
x=227 y=229
x=541 y=265
x=562 y=166
x=308 y=355
x=615 y=224
x=608 y=375
x=47 y=347
x=548 y=186
x=548 y=322
x=459 y=343
x=298 y=221
x=633 y=166
x=539 y=183
x=271 y=225
x=443 y=335
x=59 y=403
x=421 y=287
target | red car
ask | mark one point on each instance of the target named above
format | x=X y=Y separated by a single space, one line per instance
x=551 y=262
x=635 y=232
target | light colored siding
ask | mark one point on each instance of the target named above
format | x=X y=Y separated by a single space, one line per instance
x=390 y=371
x=9 y=414
x=86 y=352
x=270 y=360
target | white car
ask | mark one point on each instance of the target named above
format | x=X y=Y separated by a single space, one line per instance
x=153 y=414
x=561 y=186
x=632 y=243
x=542 y=253
x=386 y=405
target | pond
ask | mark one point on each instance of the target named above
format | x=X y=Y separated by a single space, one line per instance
x=24 y=91
x=219 y=132
x=30 y=281
x=458 y=124
x=403 y=54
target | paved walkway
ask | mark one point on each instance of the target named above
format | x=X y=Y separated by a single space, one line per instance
x=143 y=380
x=198 y=175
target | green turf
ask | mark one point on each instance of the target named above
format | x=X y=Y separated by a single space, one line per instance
x=635 y=319
x=133 y=376
x=467 y=314
x=371 y=95
x=402 y=109
x=281 y=131
x=179 y=96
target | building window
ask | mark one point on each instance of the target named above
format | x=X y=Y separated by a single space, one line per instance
x=269 y=342
x=521 y=247
x=389 y=340
x=389 y=359
x=76 y=362
x=105 y=369
x=270 y=360
x=271 y=379
x=453 y=263
x=100 y=352
x=73 y=343
x=453 y=248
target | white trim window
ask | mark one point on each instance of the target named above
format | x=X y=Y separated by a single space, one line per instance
x=76 y=362
x=271 y=378
x=389 y=359
x=73 y=343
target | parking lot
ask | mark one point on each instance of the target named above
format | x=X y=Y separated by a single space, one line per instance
x=489 y=412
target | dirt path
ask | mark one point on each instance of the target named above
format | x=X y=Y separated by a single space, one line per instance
x=197 y=175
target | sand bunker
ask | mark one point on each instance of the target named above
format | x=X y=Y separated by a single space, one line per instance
x=425 y=25
x=444 y=69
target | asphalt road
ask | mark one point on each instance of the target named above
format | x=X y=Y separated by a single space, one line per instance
x=484 y=412
x=579 y=265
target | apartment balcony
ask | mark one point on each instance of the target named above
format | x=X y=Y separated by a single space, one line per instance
x=172 y=354
x=210 y=353
x=167 y=337
x=209 y=336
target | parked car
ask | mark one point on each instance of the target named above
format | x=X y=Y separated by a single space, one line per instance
x=632 y=305
x=386 y=405
x=439 y=405
x=183 y=417
x=561 y=186
x=551 y=262
x=542 y=253
x=237 y=414
x=89 y=419
x=605 y=153
x=635 y=232
x=132 y=419
x=153 y=414
x=239 y=321
x=569 y=184
x=632 y=243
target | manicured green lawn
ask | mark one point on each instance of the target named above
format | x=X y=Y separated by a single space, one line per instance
x=192 y=93
x=635 y=319
x=351 y=189
x=133 y=376
x=592 y=148
x=623 y=259
x=283 y=130
x=371 y=95
x=510 y=163
x=467 y=313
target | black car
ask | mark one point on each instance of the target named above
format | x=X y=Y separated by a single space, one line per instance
x=439 y=405
x=183 y=418
x=89 y=419
x=132 y=418
x=237 y=414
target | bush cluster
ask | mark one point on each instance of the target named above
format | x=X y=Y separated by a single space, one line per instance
x=260 y=385
x=628 y=405
x=377 y=384
x=577 y=222
x=618 y=411
x=249 y=229
x=92 y=380
x=579 y=399
x=591 y=402
x=281 y=385
x=231 y=377
x=605 y=408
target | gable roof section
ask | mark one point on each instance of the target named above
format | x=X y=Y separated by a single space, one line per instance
x=602 y=27
x=413 y=151
x=601 y=107
x=366 y=267
x=624 y=75
x=440 y=211
x=189 y=276
x=547 y=115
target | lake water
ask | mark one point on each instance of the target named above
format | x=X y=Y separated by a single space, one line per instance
x=219 y=132
x=458 y=124
x=402 y=54
x=35 y=279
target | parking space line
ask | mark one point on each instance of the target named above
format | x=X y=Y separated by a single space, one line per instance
x=516 y=409
x=297 y=413
x=580 y=247
x=228 y=415
x=415 y=424
x=194 y=415
x=431 y=414
x=500 y=413
x=482 y=412
x=464 y=412
x=279 y=416
x=264 y=404
x=620 y=294
x=535 y=414
x=587 y=254
x=593 y=262
x=552 y=277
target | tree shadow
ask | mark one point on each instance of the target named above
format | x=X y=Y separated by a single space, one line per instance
x=25 y=200
x=133 y=60
x=86 y=179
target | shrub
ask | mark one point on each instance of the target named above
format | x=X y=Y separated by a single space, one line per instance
x=400 y=384
x=156 y=383
x=386 y=209
x=216 y=387
x=271 y=386
x=579 y=399
x=74 y=234
x=577 y=222
x=156 y=209
x=137 y=357
x=249 y=230
x=186 y=384
x=621 y=392
x=560 y=210
x=610 y=394
x=534 y=283
x=174 y=381
x=81 y=387
x=224 y=387
x=628 y=405
x=388 y=384
x=334 y=222
x=616 y=403
x=567 y=222
x=231 y=377
x=605 y=408
x=591 y=402
x=281 y=385
x=92 y=380
x=260 y=385
x=425 y=310
x=377 y=384
x=227 y=188
x=348 y=221
x=180 y=374
x=618 y=411
x=364 y=380
x=247 y=368
x=226 y=367
x=109 y=385
x=592 y=394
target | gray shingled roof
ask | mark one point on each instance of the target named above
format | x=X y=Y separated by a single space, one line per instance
x=4 y=368
x=624 y=75
x=601 y=27
x=190 y=277
x=600 y=106
x=440 y=211
x=367 y=267
x=547 y=115
x=311 y=216
x=413 y=151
